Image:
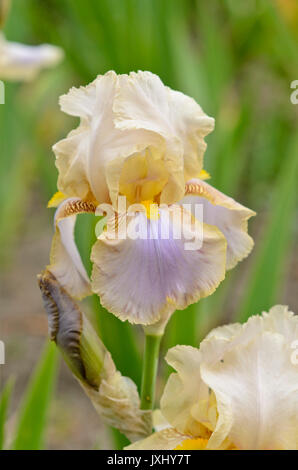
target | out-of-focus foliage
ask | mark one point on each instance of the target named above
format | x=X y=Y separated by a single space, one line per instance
x=33 y=411
x=4 y=404
x=237 y=59
x=30 y=425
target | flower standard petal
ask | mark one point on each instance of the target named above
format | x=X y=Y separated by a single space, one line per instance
x=91 y=157
x=126 y=117
x=226 y=214
x=144 y=102
x=65 y=261
x=143 y=272
x=21 y=62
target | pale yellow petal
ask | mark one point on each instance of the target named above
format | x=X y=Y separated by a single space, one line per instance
x=159 y=421
x=143 y=102
x=124 y=118
x=250 y=369
x=185 y=391
x=167 y=439
x=91 y=157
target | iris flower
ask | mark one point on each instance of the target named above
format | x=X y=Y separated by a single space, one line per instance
x=238 y=391
x=19 y=62
x=141 y=140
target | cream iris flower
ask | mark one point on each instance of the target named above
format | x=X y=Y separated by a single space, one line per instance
x=21 y=62
x=139 y=139
x=238 y=391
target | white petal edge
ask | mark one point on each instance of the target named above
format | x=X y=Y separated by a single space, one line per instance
x=65 y=261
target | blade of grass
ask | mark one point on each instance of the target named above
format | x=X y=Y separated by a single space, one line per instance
x=35 y=407
x=119 y=439
x=4 y=404
x=121 y=340
x=182 y=328
x=267 y=275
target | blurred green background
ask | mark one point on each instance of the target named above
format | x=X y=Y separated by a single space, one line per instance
x=237 y=58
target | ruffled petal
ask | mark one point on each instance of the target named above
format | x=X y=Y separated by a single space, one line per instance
x=91 y=157
x=125 y=121
x=255 y=381
x=225 y=338
x=143 y=102
x=142 y=271
x=187 y=402
x=20 y=62
x=281 y=320
x=65 y=261
x=225 y=213
x=167 y=439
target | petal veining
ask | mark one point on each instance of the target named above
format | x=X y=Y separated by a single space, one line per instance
x=145 y=271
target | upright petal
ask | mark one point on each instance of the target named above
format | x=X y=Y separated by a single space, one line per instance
x=143 y=102
x=143 y=269
x=225 y=213
x=90 y=159
x=125 y=121
x=66 y=264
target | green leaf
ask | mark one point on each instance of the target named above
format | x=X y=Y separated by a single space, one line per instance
x=119 y=439
x=34 y=409
x=4 y=403
x=120 y=338
x=267 y=275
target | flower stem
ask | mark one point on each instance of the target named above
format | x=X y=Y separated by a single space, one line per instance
x=150 y=363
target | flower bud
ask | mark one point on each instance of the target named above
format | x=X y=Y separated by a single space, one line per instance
x=115 y=397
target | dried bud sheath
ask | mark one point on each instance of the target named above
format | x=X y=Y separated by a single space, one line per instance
x=115 y=397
